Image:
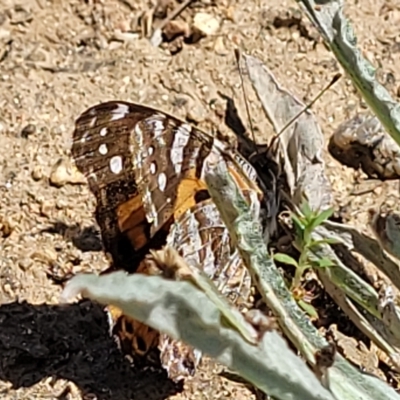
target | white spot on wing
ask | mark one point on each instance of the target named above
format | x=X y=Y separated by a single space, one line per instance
x=121 y=111
x=138 y=134
x=150 y=151
x=153 y=168
x=116 y=164
x=158 y=126
x=137 y=137
x=85 y=136
x=103 y=131
x=181 y=139
x=151 y=212
x=162 y=181
x=103 y=149
x=92 y=122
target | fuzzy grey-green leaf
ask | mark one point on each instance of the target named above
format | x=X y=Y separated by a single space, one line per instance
x=186 y=313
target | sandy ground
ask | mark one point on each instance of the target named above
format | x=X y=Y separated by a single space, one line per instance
x=56 y=59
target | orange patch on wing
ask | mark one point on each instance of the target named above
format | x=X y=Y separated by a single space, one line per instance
x=132 y=220
x=189 y=186
x=134 y=336
x=141 y=337
x=138 y=236
x=185 y=198
x=130 y=213
x=115 y=312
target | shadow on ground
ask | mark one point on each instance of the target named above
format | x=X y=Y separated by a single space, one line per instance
x=84 y=239
x=72 y=342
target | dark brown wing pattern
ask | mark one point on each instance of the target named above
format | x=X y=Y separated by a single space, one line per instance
x=146 y=169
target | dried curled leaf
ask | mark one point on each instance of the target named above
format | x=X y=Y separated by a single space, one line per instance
x=363 y=143
x=300 y=144
x=386 y=226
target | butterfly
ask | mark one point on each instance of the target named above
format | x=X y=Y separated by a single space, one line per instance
x=146 y=169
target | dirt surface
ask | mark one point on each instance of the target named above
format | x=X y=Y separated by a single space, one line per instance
x=56 y=59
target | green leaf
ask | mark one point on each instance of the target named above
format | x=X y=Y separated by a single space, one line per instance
x=299 y=225
x=173 y=308
x=320 y=218
x=307 y=236
x=309 y=309
x=324 y=263
x=285 y=259
x=306 y=210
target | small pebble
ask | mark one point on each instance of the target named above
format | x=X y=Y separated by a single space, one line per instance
x=46 y=209
x=174 y=29
x=206 y=23
x=63 y=172
x=37 y=173
x=6 y=227
x=29 y=130
x=25 y=264
x=219 y=46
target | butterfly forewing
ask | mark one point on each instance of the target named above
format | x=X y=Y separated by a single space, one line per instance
x=101 y=150
x=166 y=154
x=144 y=167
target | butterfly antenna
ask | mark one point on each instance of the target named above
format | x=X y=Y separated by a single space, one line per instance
x=308 y=106
x=238 y=58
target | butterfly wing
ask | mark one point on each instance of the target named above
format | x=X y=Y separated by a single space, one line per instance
x=101 y=150
x=202 y=239
x=145 y=168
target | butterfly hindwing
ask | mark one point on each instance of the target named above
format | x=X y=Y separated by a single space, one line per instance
x=202 y=240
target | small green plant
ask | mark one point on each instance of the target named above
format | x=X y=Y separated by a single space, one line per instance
x=304 y=224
